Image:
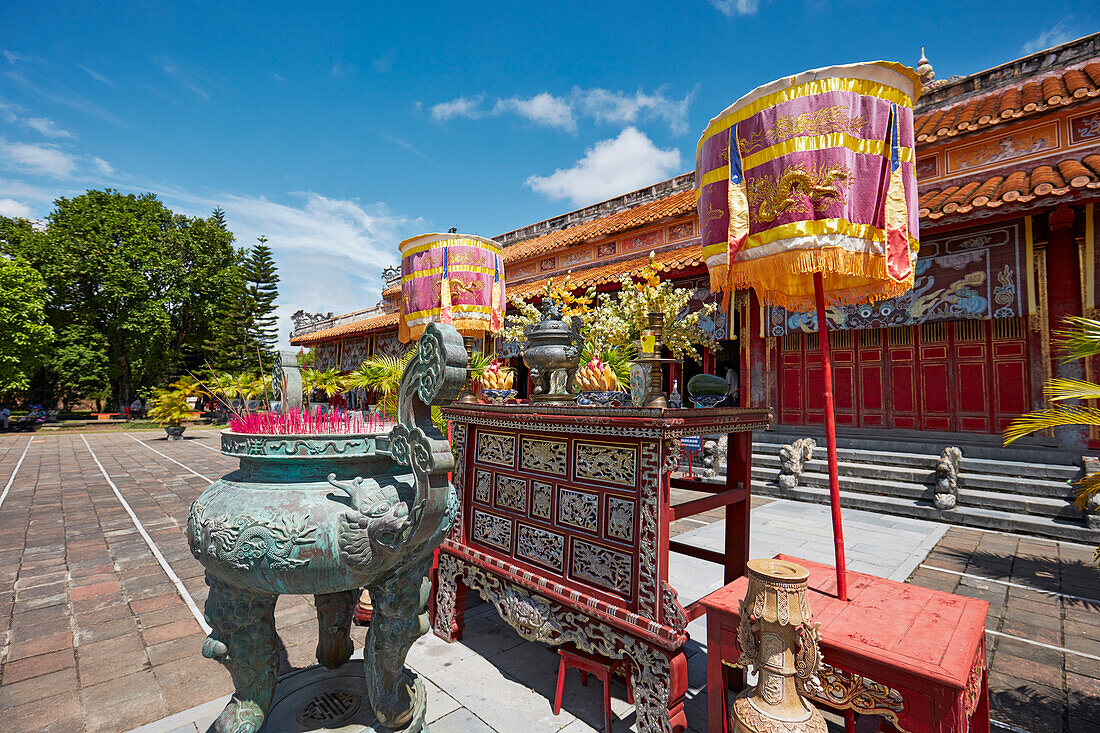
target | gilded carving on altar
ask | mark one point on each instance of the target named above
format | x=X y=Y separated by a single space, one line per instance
x=608 y=463
x=547 y=456
x=495 y=448
x=483 y=486
x=579 y=509
x=493 y=530
x=541 y=495
x=512 y=493
x=601 y=566
x=620 y=519
x=541 y=546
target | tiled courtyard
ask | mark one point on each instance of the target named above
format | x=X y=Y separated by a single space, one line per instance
x=101 y=634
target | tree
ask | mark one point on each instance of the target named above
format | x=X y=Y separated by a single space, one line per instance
x=218 y=217
x=127 y=268
x=79 y=363
x=24 y=332
x=231 y=347
x=260 y=274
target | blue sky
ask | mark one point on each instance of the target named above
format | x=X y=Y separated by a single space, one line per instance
x=338 y=129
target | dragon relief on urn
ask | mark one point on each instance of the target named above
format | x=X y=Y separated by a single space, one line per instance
x=553 y=353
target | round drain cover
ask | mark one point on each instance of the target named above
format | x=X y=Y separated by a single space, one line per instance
x=329 y=708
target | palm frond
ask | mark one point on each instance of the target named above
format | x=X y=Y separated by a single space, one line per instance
x=1080 y=340
x=1059 y=390
x=1087 y=487
x=380 y=373
x=1050 y=417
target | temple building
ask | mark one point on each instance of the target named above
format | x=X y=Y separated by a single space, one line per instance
x=1008 y=169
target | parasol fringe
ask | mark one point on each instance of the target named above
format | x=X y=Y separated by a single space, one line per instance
x=867 y=271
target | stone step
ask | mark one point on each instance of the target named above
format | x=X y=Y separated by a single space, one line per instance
x=973 y=446
x=1019 y=503
x=970 y=516
x=924 y=476
x=1001 y=467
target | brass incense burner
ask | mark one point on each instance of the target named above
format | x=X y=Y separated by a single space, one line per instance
x=777 y=638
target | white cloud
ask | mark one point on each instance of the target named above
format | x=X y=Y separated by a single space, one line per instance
x=41 y=159
x=102 y=166
x=1054 y=36
x=621 y=108
x=383 y=64
x=602 y=105
x=14 y=58
x=96 y=75
x=330 y=252
x=16 y=209
x=731 y=8
x=543 y=109
x=170 y=67
x=45 y=126
x=609 y=167
x=469 y=107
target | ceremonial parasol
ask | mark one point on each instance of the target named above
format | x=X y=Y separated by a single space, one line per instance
x=451 y=278
x=807 y=194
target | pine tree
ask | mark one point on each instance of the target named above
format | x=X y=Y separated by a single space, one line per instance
x=261 y=278
x=218 y=215
x=231 y=347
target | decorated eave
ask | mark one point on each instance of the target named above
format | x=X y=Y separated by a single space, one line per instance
x=366 y=326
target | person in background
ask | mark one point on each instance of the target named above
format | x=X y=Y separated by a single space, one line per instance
x=135 y=408
x=5 y=415
x=733 y=382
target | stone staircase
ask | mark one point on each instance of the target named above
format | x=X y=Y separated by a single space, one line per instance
x=1017 y=489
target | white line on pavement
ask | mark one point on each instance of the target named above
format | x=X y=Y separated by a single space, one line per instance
x=11 y=479
x=152 y=545
x=1086 y=599
x=173 y=460
x=1008 y=726
x=1045 y=646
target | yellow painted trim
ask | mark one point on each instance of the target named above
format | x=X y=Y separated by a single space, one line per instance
x=815 y=228
x=1029 y=257
x=460 y=242
x=713 y=176
x=822 y=142
x=817 y=86
x=1090 y=258
x=456 y=307
x=453 y=269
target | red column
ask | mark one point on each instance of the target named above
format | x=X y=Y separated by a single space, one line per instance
x=1064 y=299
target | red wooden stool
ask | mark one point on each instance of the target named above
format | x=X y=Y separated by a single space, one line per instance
x=601 y=667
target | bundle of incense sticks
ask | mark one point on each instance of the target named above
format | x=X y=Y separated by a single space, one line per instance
x=309 y=422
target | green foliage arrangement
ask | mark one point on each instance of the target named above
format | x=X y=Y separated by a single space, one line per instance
x=170 y=407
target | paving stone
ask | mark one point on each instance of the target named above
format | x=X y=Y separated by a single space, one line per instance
x=460 y=721
x=57 y=713
x=40 y=645
x=13 y=694
x=39 y=665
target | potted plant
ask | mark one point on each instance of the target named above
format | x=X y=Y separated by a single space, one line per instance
x=170 y=409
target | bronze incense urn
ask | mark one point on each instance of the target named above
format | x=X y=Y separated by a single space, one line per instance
x=777 y=638
x=327 y=515
x=553 y=353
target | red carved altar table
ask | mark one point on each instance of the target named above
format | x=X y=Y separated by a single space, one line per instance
x=563 y=525
x=912 y=655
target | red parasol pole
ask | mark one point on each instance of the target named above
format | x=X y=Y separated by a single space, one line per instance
x=830 y=439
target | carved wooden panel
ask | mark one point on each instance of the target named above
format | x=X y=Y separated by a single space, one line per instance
x=620 y=519
x=601 y=566
x=496 y=448
x=492 y=530
x=579 y=509
x=541 y=546
x=511 y=493
x=541 y=495
x=614 y=464
x=483 y=486
x=545 y=456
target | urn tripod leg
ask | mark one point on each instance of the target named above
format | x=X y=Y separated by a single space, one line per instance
x=400 y=618
x=334 y=612
x=243 y=640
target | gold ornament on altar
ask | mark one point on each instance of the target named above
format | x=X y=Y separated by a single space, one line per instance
x=777 y=638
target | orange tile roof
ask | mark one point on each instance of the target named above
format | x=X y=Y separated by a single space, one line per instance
x=669 y=206
x=1053 y=178
x=355 y=328
x=667 y=261
x=1058 y=89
